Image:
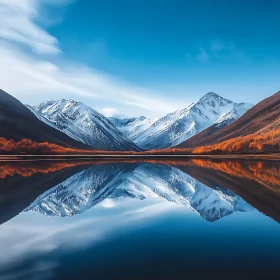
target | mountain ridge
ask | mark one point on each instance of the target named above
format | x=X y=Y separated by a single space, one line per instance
x=263 y=117
x=132 y=127
x=174 y=128
x=88 y=188
x=17 y=123
x=83 y=124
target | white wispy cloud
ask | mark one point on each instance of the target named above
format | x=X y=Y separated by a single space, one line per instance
x=17 y=25
x=203 y=55
x=111 y=112
x=217 y=50
x=31 y=233
x=32 y=69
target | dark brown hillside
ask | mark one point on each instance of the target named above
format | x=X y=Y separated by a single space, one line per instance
x=22 y=182
x=17 y=123
x=263 y=117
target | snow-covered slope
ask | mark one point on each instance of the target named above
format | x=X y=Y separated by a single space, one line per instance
x=17 y=123
x=140 y=180
x=238 y=110
x=182 y=124
x=132 y=127
x=83 y=124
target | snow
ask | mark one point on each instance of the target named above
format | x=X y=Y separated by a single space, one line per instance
x=177 y=127
x=133 y=127
x=105 y=183
x=83 y=124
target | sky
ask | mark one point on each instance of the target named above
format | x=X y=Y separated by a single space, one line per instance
x=132 y=58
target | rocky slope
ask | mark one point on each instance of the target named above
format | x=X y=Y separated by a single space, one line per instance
x=17 y=123
x=262 y=118
x=181 y=125
x=83 y=124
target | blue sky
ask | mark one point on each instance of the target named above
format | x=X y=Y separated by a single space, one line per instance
x=139 y=57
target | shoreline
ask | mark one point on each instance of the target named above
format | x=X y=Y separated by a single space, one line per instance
x=139 y=157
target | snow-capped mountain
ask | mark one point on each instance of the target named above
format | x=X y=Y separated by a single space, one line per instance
x=132 y=127
x=182 y=124
x=139 y=180
x=87 y=126
x=17 y=123
x=83 y=124
x=238 y=110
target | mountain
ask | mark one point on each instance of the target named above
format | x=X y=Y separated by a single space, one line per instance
x=182 y=124
x=83 y=124
x=17 y=123
x=91 y=186
x=22 y=182
x=132 y=128
x=263 y=118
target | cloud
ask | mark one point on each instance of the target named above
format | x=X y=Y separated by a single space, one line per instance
x=17 y=25
x=217 y=50
x=32 y=71
x=111 y=112
x=32 y=234
x=29 y=77
x=203 y=56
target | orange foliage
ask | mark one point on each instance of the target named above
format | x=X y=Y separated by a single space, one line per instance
x=168 y=151
x=26 y=169
x=252 y=143
x=29 y=168
x=257 y=171
x=26 y=146
x=266 y=142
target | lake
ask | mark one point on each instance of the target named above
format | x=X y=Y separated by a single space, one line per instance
x=153 y=219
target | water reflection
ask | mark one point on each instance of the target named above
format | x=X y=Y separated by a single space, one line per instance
x=212 y=189
x=61 y=218
x=93 y=185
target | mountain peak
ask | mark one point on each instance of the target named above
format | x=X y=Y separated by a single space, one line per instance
x=69 y=102
x=176 y=127
x=83 y=124
x=212 y=95
x=212 y=99
x=141 y=118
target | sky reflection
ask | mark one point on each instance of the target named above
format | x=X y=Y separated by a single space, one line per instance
x=126 y=216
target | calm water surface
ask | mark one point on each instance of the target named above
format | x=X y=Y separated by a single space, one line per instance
x=140 y=220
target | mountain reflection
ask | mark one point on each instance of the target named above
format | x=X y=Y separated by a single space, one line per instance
x=257 y=182
x=212 y=189
x=136 y=180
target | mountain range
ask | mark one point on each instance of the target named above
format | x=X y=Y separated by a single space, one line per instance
x=263 y=120
x=87 y=126
x=209 y=121
x=93 y=185
x=83 y=124
x=205 y=186
x=132 y=127
x=176 y=127
x=17 y=122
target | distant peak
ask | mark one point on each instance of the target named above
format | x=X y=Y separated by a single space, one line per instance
x=141 y=118
x=49 y=101
x=70 y=101
x=211 y=94
x=44 y=104
x=214 y=97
